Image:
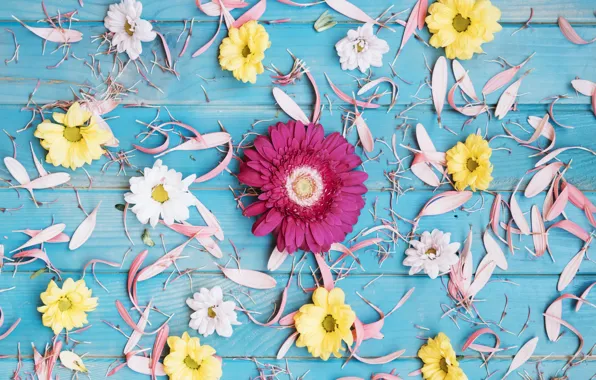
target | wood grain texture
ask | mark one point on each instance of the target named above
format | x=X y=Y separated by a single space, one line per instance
x=509 y=165
x=423 y=309
x=529 y=283
x=109 y=242
x=309 y=368
x=176 y=10
x=551 y=48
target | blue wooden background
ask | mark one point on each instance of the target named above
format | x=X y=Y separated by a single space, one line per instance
x=531 y=283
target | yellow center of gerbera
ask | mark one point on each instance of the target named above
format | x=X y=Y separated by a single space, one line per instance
x=461 y=23
x=246 y=51
x=64 y=304
x=191 y=363
x=211 y=313
x=431 y=251
x=329 y=323
x=304 y=187
x=72 y=134
x=160 y=194
x=128 y=28
x=471 y=165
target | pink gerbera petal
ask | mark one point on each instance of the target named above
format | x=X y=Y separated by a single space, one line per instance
x=310 y=196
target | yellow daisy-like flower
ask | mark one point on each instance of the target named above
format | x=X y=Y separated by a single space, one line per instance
x=75 y=138
x=243 y=50
x=66 y=308
x=440 y=362
x=461 y=26
x=325 y=324
x=469 y=164
x=189 y=360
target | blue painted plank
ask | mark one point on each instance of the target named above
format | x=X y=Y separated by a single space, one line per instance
x=549 y=77
x=110 y=243
x=423 y=309
x=536 y=278
x=508 y=167
x=234 y=369
x=544 y=12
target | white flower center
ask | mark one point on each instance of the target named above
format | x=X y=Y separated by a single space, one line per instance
x=431 y=253
x=361 y=45
x=304 y=186
x=160 y=194
x=129 y=25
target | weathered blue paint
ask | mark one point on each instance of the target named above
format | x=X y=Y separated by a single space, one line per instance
x=529 y=283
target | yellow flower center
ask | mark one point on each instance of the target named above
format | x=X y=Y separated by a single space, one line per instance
x=329 y=323
x=211 y=313
x=128 y=28
x=304 y=187
x=64 y=304
x=444 y=365
x=461 y=23
x=72 y=134
x=431 y=251
x=191 y=363
x=471 y=165
x=160 y=194
x=360 y=46
x=246 y=51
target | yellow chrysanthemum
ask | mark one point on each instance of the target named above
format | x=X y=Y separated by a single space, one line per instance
x=469 y=164
x=325 y=324
x=189 y=360
x=66 y=308
x=75 y=138
x=243 y=50
x=440 y=362
x=461 y=26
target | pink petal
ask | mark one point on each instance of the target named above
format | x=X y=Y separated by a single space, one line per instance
x=84 y=230
x=439 y=85
x=289 y=106
x=58 y=35
x=570 y=33
x=249 y=278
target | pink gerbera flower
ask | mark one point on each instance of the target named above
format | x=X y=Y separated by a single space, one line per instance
x=310 y=195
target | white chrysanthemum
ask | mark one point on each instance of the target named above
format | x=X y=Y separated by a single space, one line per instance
x=160 y=193
x=361 y=49
x=433 y=254
x=124 y=20
x=212 y=313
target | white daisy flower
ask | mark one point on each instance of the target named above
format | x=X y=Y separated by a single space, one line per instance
x=361 y=49
x=433 y=254
x=212 y=313
x=124 y=20
x=160 y=193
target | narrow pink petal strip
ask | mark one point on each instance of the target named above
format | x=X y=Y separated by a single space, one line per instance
x=249 y=278
x=570 y=33
x=252 y=14
x=350 y=10
x=59 y=35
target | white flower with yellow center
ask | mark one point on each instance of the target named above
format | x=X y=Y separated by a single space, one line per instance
x=361 y=48
x=433 y=253
x=212 y=313
x=124 y=20
x=160 y=193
